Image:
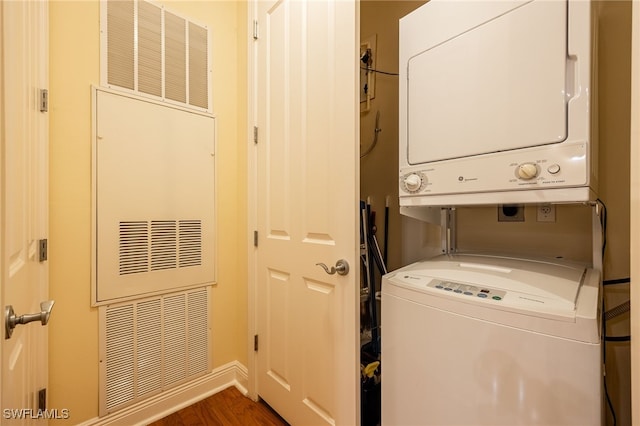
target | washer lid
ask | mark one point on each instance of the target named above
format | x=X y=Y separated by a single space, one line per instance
x=541 y=285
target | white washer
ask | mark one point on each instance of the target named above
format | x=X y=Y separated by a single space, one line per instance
x=490 y=340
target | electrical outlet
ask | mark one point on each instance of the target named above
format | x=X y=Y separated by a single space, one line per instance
x=510 y=213
x=546 y=213
x=367 y=78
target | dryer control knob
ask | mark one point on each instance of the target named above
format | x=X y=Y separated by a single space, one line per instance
x=527 y=171
x=413 y=182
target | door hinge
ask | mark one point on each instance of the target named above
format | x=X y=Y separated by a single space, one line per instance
x=44 y=100
x=255 y=134
x=255 y=343
x=255 y=238
x=42 y=250
x=42 y=399
x=255 y=29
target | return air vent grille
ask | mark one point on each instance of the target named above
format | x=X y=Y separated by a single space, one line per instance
x=154 y=211
x=151 y=345
x=164 y=241
x=190 y=253
x=159 y=245
x=151 y=51
x=134 y=247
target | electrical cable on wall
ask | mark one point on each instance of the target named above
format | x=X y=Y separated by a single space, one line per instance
x=604 y=366
x=603 y=221
x=379 y=71
x=611 y=313
x=376 y=130
x=617 y=281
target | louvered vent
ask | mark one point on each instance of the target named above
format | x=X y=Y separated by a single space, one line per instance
x=175 y=54
x=120 y=366
x=164 y=241
x=152 y=51
x=152 y=345
x=159 y=245
x=149 y=49
x=190 y=252
x=197 y=65
x=120 y=43
x=134 y=247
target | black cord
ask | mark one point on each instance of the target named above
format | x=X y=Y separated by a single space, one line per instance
x=604 y=365
x=617 y=338
x=603 y=221
x=617 y=281
x=378 y=71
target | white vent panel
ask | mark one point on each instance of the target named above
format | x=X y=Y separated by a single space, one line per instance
x=151 y=345
x=155 y=198
x=172 y=244
x=148 y=50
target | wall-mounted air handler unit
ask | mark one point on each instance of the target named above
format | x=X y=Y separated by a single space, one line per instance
x=154 y=198
x=497 y=103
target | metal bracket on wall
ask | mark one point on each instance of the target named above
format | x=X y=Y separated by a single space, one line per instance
x=448 y=229
x=597 y=234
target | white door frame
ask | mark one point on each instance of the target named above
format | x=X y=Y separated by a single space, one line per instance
x=252 y=203
x=2 y=142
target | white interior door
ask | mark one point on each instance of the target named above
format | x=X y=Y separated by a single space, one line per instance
x=23 y=205
x=307 y=209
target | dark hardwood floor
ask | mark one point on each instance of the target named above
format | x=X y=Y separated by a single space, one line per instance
x=228 y=407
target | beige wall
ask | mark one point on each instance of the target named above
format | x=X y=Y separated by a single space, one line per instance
x=74 y=67
x=570 y=235
x=614 y=121
x=379 y=169
x=635 y=211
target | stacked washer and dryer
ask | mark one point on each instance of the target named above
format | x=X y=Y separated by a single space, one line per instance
x=497 y=104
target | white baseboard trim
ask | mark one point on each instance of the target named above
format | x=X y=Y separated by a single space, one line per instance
x=168 y=402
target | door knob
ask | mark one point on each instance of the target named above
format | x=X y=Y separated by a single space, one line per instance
x=11 y=320
x=342 y=267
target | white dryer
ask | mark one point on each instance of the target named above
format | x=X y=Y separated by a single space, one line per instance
x=497 y=102
x=490 y=340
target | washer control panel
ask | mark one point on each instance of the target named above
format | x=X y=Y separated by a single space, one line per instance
x=467 y=290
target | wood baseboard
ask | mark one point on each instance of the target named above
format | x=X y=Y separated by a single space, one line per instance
x=165 y=403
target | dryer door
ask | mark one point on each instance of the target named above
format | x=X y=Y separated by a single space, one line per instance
x=497 y=84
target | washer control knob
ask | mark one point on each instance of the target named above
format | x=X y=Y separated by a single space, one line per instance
x=527 y=171
x=413 y=182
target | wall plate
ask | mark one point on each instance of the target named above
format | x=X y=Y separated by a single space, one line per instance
x=510 y=213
